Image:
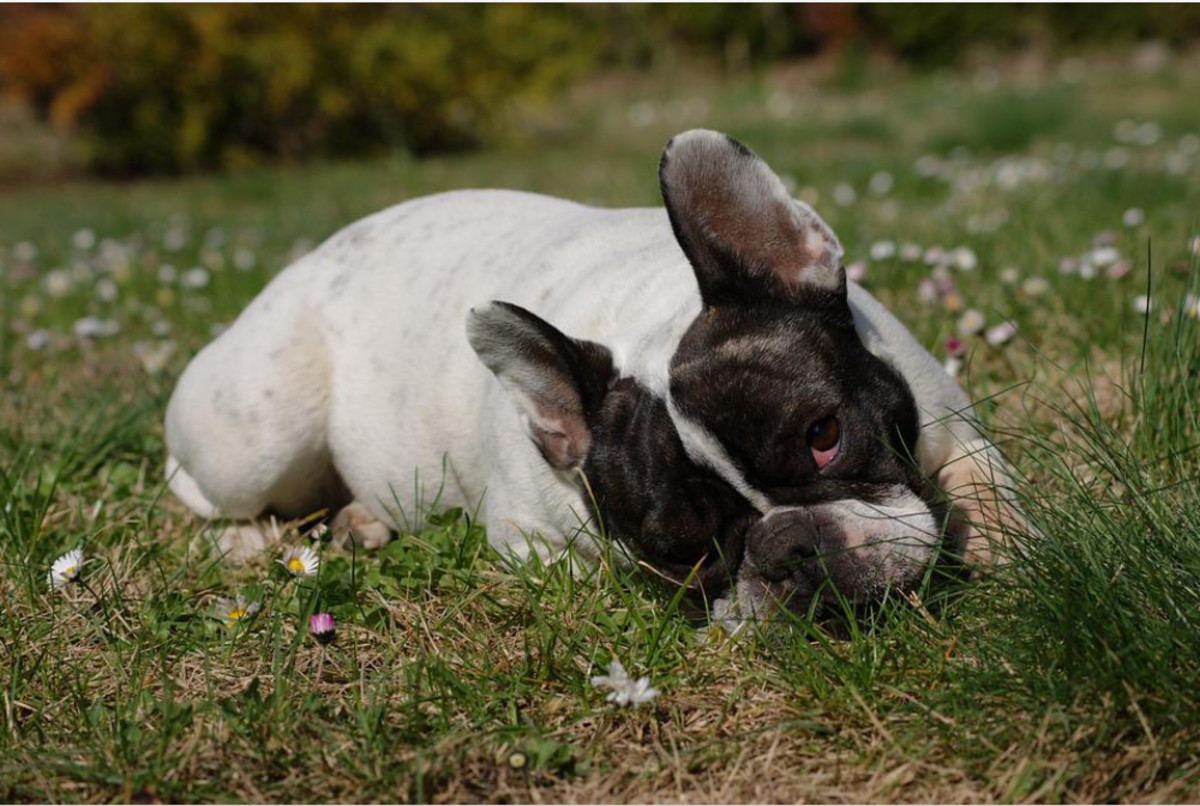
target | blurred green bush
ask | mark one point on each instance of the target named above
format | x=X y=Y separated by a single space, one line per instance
x=169 y=87
x=163 y=88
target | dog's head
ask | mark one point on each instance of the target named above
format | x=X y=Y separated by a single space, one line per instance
x=782 y=457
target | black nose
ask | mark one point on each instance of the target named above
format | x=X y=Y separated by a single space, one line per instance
x=781 y=543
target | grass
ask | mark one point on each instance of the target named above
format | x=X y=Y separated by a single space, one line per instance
x=1072 y=675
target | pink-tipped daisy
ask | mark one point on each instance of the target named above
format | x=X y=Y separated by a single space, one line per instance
x=927 y=291
x=1119 y=269
x=300 y=561
x=322 y=627
x=1000 y=334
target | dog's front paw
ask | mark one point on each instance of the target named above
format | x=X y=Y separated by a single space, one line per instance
x=986 y=521
x=245 y=540
x=356 y=523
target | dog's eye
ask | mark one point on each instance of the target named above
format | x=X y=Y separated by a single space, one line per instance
x=824 y=439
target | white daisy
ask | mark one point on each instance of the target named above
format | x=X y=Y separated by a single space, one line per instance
x=195 y=277
x=84 y=239
x=244 y=259
x=1035 y=286
x=971 y=322
x=1191 y=306
x=232 y=611
x=300 y=561
x=153 y=355
x=1147 y=134
x=1104 y=256
x=625 y=690
x=964 y=258
x=1141 y=304
x=58 y=283
x=25 y=252
x=66 y=569
x=37 y=340
x=883 y=250
x=1119 y=269
x=881 y=183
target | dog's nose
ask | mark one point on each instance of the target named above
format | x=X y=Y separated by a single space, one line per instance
x=779 y=544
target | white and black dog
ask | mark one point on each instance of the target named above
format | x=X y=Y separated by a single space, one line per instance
x=702 y=379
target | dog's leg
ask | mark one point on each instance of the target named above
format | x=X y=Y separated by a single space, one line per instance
x=355 y=523
x=987 y=518
x=246 y=426
x=236 y=542
x=245 y=540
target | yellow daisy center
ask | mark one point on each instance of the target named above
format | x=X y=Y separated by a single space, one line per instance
x=236 y=614
x=69 y=571
x=295 y=566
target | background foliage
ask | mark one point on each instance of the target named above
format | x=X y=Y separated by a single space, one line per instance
x=166 y=88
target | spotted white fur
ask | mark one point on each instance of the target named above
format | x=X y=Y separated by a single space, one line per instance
x=352 y=367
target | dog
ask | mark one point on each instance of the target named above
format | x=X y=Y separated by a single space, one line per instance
x=701 y=382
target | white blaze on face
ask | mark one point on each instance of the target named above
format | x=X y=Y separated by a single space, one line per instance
x=704 y=449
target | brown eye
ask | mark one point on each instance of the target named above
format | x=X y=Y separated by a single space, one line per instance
x=824 y=437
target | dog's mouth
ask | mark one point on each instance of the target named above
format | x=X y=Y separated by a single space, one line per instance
x=820 y=561
x=756 y=599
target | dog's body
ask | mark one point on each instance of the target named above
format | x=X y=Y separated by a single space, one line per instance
x=350 y=376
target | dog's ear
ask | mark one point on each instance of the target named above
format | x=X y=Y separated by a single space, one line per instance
x=744 y=236
x=557 y=382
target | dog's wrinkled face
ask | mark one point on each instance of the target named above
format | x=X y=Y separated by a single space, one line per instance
x=780 y=464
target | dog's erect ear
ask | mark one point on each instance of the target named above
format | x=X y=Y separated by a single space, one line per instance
x=557 y=382
x=744 y=236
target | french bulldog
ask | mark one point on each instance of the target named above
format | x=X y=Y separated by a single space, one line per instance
x=701 y=383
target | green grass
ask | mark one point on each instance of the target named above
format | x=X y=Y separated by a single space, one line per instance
x=1073 y=674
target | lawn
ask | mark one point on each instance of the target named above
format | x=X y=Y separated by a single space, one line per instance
x=1051 y=196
